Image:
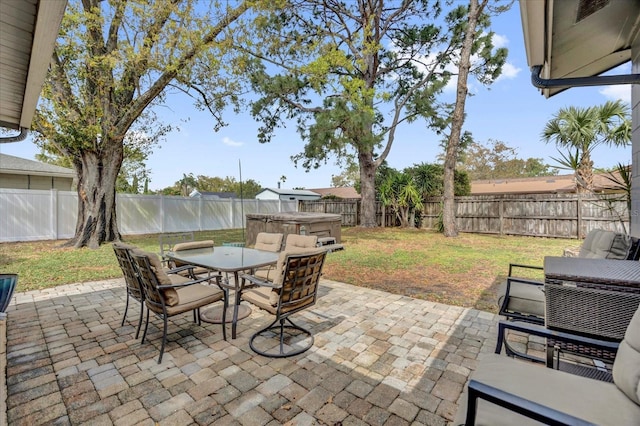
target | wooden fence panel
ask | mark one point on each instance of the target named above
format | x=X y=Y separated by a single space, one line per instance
x=543 y=215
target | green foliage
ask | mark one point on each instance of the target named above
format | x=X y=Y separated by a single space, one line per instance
x=497 y=160
x=580 y=130
x=202 y=183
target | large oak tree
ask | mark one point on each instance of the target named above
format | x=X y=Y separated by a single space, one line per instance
x=351 y=72
x=114 y=60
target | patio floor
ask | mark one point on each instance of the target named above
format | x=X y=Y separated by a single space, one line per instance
x=378 y=359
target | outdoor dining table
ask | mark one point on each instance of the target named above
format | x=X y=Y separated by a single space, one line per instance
x=594 y=297
x=231 y=260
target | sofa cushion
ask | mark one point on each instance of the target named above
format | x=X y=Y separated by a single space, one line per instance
x=588 y=399
x=626 y=367
x=601 y=244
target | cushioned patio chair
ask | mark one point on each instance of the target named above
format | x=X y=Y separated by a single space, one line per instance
x=131 y=280
x=267 y=241
x=168 y=240
x=167 y=295
x=294 y=288
x=195 y=272
x=523 y=299
x=506 y=391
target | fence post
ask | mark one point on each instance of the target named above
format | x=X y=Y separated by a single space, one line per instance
x=54 y=214
x=501 y=215
x=579 y=215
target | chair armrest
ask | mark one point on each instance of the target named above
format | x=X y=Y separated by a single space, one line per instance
x=188 y=283
x=180 y=269
x=523 y=281
x=257 y=281
x=542 y=331
x=519 y=265
x=517 y=404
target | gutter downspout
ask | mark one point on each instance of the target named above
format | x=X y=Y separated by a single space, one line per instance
x=596 y=80
x=18 y=138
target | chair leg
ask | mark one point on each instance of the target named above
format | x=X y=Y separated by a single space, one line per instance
x=140 y=319
x=126 y=308
x=146 y=326
x=164 y=338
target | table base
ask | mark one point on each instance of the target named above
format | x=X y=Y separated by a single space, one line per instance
x=214 y=315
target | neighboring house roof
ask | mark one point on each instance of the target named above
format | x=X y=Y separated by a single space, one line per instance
x=294 y=192
x=340 y=192
x=537 y=185
x=196 y=193
x=21 y=166
x=578 y=38
x=29 y=32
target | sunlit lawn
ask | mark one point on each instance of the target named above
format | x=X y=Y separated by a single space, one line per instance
x=462 y=271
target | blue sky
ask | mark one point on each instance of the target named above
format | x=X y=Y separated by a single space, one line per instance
x=511 y=110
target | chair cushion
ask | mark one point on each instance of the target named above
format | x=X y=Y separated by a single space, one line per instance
x=295 y=241
x=620 y=247
x=523 y=298
x=194 y=296
x=263 y=297
x=193 y=245
x=268 y=241
x=592 y=400
x=170 y=294
x=626 y=367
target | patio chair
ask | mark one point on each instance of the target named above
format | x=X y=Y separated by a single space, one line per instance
x=523 y=299
x=294 y=288
x=505 y=391
x=267 y=241
x=195 y=272
x=168 y=240
x=167 y=295
x=131 y=280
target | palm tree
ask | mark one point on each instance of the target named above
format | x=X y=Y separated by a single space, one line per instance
x=583 y=129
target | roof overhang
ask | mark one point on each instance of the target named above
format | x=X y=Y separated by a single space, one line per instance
x=578 y=39
x=28 y=33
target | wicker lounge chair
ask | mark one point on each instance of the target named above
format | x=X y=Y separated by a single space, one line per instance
x=294 y=289
x=505 y=391
x=167 y=295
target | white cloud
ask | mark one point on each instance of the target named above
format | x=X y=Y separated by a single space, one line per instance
x=621 y=91
x=230 y=142
x=499 y=41
x=509 y=71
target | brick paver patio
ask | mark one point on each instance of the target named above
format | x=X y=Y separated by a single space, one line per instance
x=378 y=359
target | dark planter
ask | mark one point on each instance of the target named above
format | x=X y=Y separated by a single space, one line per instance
x=8 y=284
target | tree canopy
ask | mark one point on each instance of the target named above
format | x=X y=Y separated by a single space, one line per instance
x=114 y=61
x=350 y=73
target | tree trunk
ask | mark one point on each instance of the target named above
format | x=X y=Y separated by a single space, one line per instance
x=97 y=174
x=449 y=204
x=584 y=174
x=367 y=190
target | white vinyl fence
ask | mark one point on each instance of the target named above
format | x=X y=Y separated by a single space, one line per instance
x=32 y=215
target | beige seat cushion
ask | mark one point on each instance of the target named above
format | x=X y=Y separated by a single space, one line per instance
x=170 y=294
x=192 y=245
x=523 y=298
x=268 y=241
x=592 y=400
x=295 y=241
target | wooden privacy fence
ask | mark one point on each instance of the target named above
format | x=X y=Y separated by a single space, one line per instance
x=542 y=215
x=349 y=209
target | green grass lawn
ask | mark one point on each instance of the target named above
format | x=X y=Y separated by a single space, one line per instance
x=463 y=271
